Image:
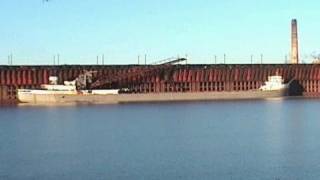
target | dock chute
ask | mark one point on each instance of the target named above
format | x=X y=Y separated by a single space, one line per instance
x=137 y=72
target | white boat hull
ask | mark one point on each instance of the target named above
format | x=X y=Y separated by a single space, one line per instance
x=147 y=97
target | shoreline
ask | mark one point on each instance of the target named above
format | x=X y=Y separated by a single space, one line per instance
x=17 y=104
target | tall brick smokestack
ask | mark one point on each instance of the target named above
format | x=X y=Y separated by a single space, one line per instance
x=294 y=42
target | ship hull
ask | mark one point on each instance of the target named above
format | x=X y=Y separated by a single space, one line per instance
x=34 y=98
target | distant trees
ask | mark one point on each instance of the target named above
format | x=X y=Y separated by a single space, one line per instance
x=316 y=57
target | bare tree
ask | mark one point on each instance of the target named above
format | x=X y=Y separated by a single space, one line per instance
x=316 y=57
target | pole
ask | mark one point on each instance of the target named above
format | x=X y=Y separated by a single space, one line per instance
x=215 y=59
x=58 y=55
x=286 y=59
x=97 y=60
x=224 y=58
x=102 y=59
x=54 y=60
x=251 y=59
x=11 y=62
x=261 y=56
x=186 y=58
x=138 y=59
x=145 y=59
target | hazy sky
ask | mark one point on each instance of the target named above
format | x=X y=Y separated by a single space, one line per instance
x=79 y=30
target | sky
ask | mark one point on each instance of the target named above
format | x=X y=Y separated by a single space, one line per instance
x=34 y=31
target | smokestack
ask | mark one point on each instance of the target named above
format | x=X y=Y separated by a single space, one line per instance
x=294 y=42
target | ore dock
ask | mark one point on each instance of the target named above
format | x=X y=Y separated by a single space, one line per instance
x=169 y=77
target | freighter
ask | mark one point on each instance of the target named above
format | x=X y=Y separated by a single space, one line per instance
x=71 y=92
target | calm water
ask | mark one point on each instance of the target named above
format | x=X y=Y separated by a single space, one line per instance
x=274 y=139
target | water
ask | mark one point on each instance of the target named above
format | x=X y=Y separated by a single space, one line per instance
x=274 y=139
